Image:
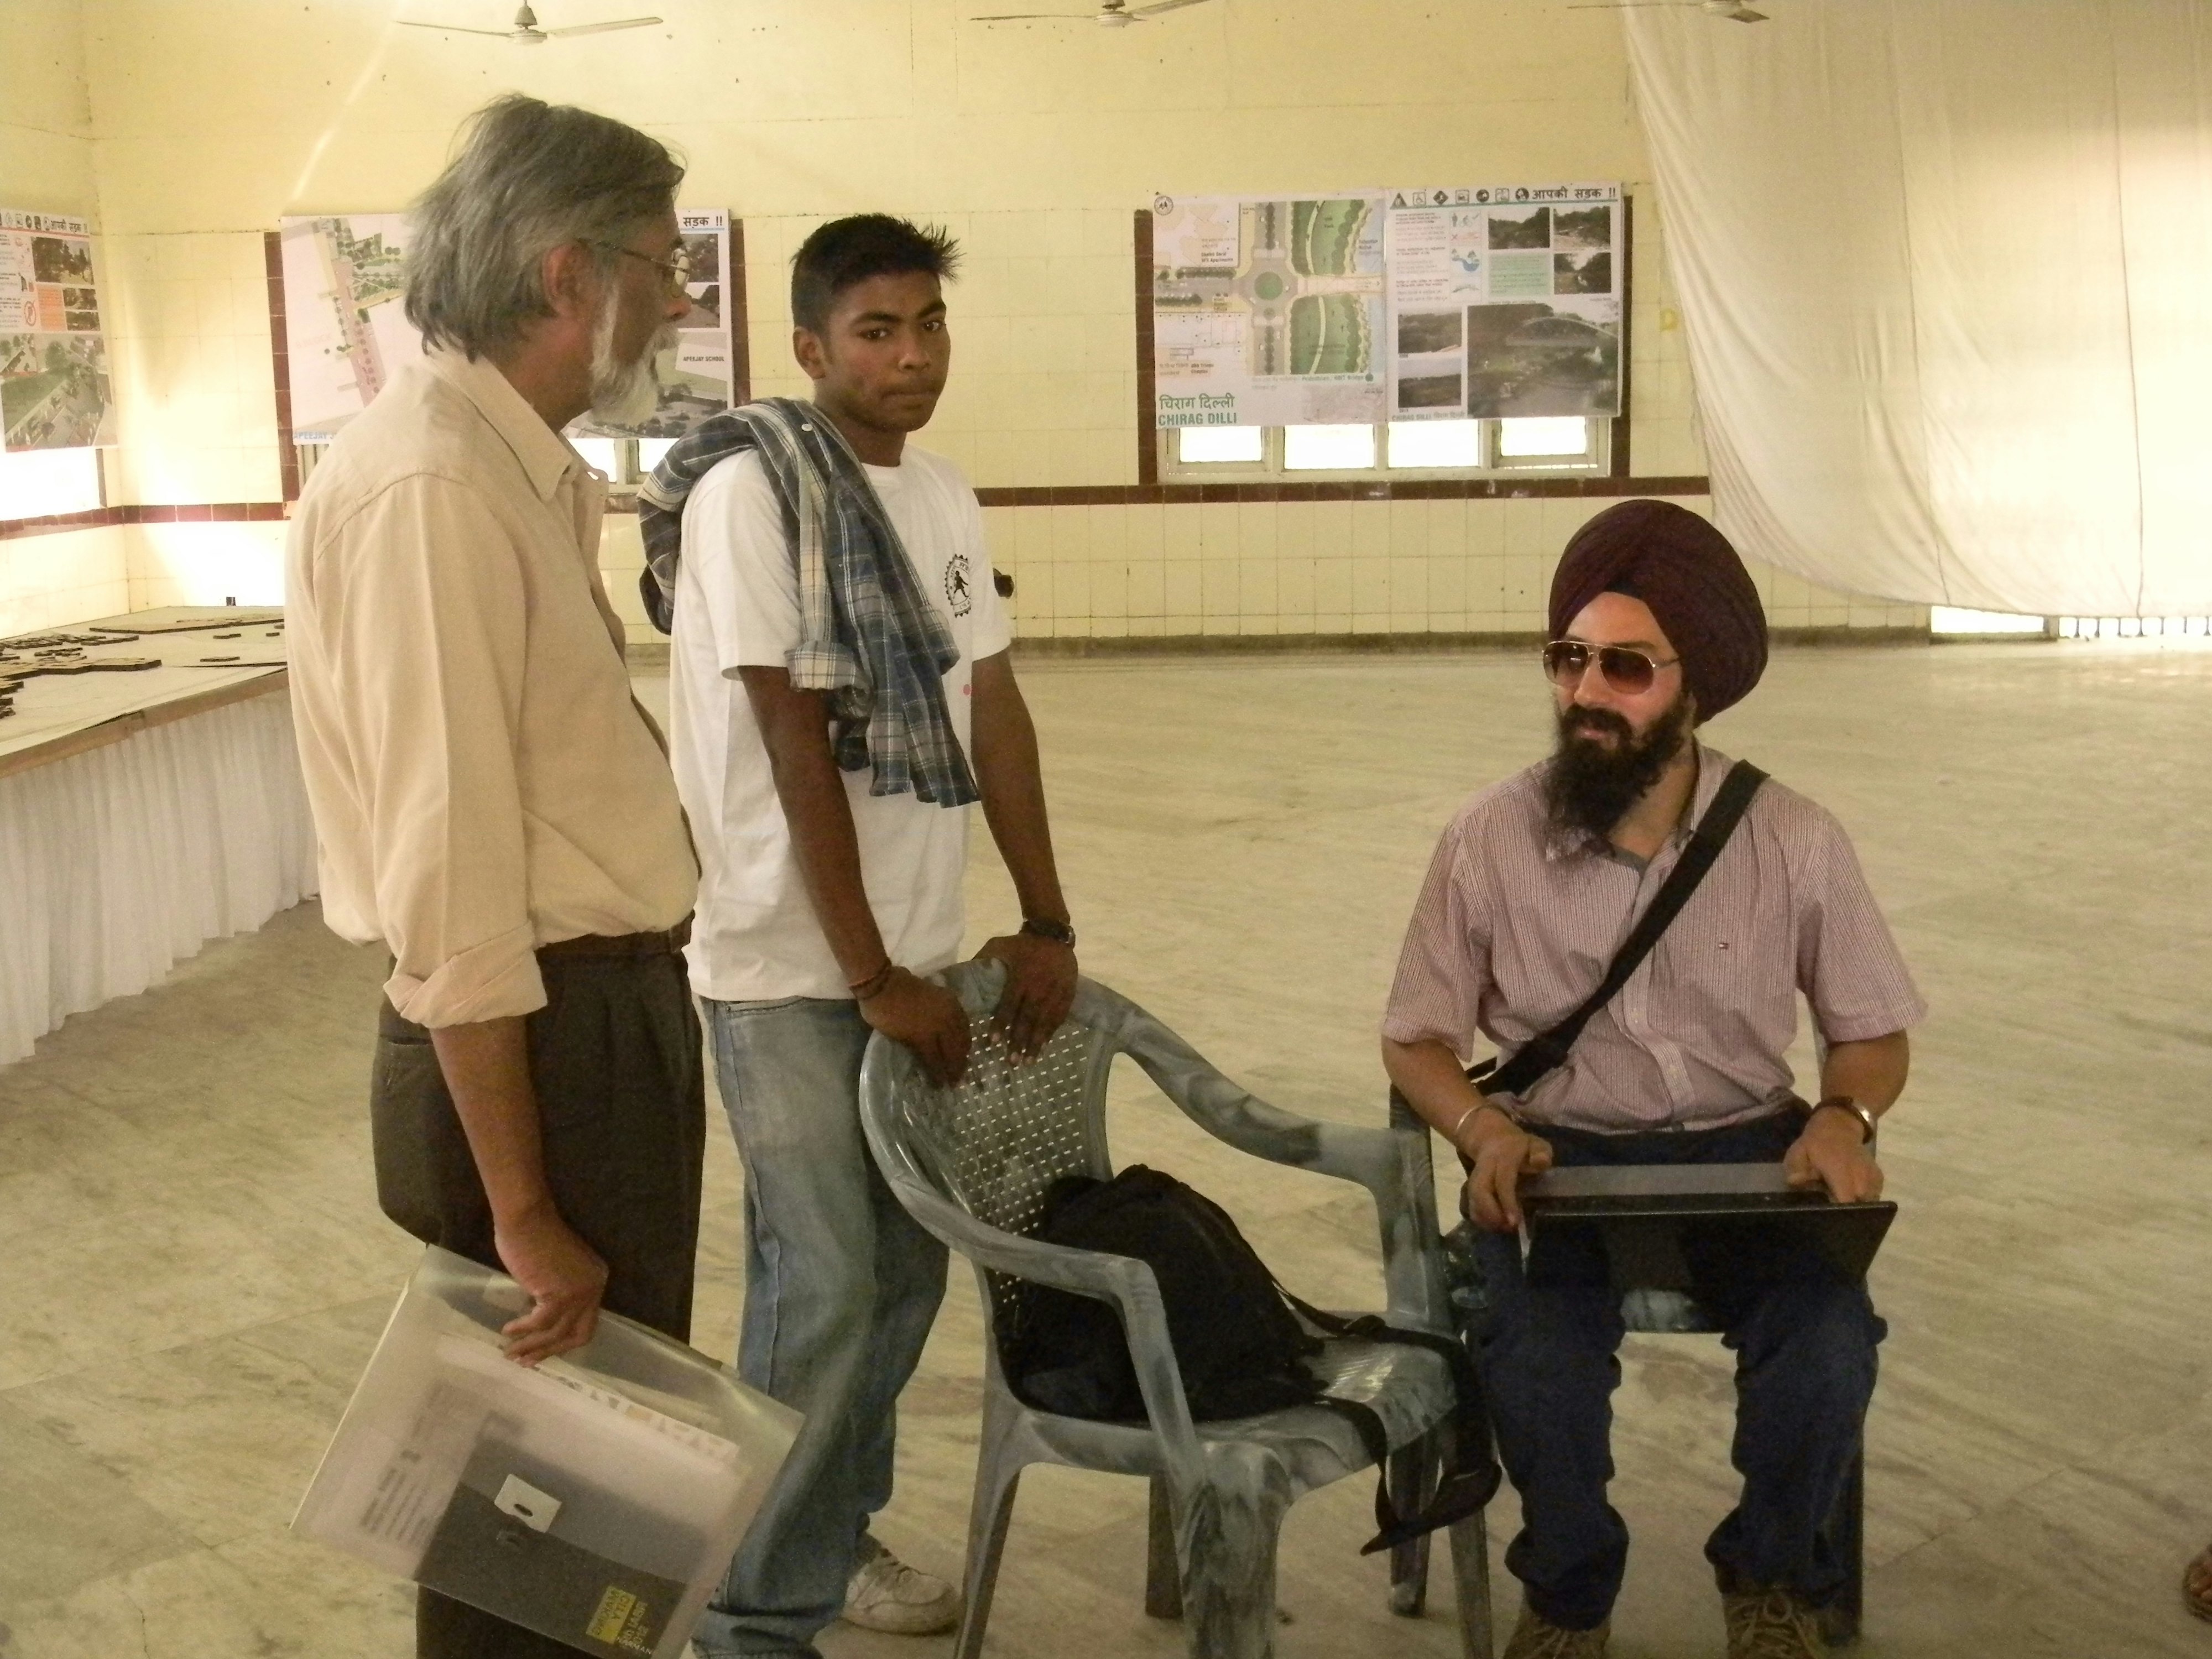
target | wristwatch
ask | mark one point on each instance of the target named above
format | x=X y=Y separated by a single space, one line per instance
x=1845 y=1103
x=1044 y=927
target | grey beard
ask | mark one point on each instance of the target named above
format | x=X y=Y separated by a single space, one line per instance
x=625 y=394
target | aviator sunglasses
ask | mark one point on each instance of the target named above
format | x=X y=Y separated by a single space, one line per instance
x=1566 y=662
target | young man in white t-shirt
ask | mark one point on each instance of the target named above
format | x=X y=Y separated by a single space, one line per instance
x=820 y=906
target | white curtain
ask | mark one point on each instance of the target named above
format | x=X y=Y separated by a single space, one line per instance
x=118 y=863
x=1945 y=268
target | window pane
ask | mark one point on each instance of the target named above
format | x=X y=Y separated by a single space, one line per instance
x=1436 y=443
x=1548 y=435
x=1221 y=443
x=35 y=482
x=1339 y=449
x=600 y=452
x=1947 y=619
x=649 y=452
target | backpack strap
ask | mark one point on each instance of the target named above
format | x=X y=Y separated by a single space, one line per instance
x=1545 y=1052
x=1471 y=1476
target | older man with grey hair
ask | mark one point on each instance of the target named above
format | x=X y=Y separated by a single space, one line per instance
x=493 y=806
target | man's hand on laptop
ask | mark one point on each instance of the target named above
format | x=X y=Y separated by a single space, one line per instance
x=927 y=1018
x=1503 y=1153
x=1831 y=1152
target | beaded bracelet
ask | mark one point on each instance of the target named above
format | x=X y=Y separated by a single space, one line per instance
x=874 y=985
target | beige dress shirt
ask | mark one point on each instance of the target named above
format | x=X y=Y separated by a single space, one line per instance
x=1515 y=926
x=483 y=781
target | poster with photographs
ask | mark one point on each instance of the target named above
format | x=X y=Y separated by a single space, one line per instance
x=54 y=390
x=1268 y=311
x=346 y=332
x=693 y=369
x=1504 y=301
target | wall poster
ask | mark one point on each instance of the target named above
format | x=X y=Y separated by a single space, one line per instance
x=54 y=388
x=1268 y=311
x=695 y=373
x=347 y=333
x=1504 y=301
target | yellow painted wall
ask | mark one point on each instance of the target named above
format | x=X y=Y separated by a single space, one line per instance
x=46 y=166
x=1033 y=143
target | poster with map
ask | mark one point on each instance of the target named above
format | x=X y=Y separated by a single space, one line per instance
x=1504 y=301
x=695 y=373
x=1268 y=311
x=54 y=387
x=345 y=331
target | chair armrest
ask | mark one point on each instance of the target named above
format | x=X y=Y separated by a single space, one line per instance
x=1392 y=1163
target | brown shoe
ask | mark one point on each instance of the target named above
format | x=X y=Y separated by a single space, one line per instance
x=1773 y=1624
x=2197 y=1587
x=1537 y=1637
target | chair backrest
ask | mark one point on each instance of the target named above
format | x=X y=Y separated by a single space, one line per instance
x=994 y=1142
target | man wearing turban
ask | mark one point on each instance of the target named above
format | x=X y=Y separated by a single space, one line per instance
x=1656 y=627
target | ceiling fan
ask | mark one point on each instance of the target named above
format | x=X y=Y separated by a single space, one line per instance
x=1110 y=14
x=525 y=32
x=1735 y=10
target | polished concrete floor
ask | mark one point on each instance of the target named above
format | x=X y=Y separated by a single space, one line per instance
x=192 y=1267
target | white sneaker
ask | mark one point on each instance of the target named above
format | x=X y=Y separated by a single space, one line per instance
x=886 y=1595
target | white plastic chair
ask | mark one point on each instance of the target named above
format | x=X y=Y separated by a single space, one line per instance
x=972 y=1164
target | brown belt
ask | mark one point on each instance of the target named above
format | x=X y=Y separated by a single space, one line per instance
x=666 y=944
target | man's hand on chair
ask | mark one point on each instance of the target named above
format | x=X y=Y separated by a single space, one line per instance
x=1503 y=1152
x=1831 y=1152
x=1040 y=988
x=927 y=1018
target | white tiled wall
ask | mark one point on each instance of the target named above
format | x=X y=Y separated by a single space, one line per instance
x=1323 y=568
x=72 y=575
x=187 y=318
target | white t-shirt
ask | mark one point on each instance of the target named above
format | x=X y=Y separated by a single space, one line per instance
x=755 y=937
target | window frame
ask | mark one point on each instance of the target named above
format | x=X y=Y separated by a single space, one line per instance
x=1596 y=461
x=99 y=503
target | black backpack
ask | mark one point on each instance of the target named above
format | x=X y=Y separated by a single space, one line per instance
x=1240 y=1341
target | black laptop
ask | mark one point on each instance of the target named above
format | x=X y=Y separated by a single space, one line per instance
x=1643 y=1211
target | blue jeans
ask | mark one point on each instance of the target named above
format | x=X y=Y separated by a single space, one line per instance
x=1804 y=1337
x=841 y=1288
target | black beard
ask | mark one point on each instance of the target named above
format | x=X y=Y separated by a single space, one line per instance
x=1590 y=788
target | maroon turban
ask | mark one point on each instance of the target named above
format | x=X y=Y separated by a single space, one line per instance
x=1685 y=570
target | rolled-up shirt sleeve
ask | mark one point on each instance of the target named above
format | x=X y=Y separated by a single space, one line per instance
x=434 y=619
x=1444 y=967
x=1849 y=967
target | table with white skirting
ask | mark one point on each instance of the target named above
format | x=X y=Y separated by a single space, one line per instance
x=143 y=811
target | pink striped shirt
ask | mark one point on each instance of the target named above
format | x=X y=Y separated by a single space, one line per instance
x=1516 y=924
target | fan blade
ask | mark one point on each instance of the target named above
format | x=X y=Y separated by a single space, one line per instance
x=449 y=28
x=1159 y=6
x=1035 y=17
x=603 y=28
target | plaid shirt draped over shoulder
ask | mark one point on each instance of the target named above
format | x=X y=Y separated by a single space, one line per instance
x=869 y=636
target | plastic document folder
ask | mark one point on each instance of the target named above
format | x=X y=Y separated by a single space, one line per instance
x=596 y=1499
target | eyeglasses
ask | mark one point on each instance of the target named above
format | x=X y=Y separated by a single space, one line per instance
x=1566 y=662
x=675 y=273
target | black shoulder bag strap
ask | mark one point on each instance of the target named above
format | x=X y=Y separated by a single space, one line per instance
x=1545 y=1052
x=1470 y=1475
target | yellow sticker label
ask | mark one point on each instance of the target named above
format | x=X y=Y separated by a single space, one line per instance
x=621 y=1622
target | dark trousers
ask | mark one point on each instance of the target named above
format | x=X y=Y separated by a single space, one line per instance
x=1804 y=1337
x=616 y=1058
